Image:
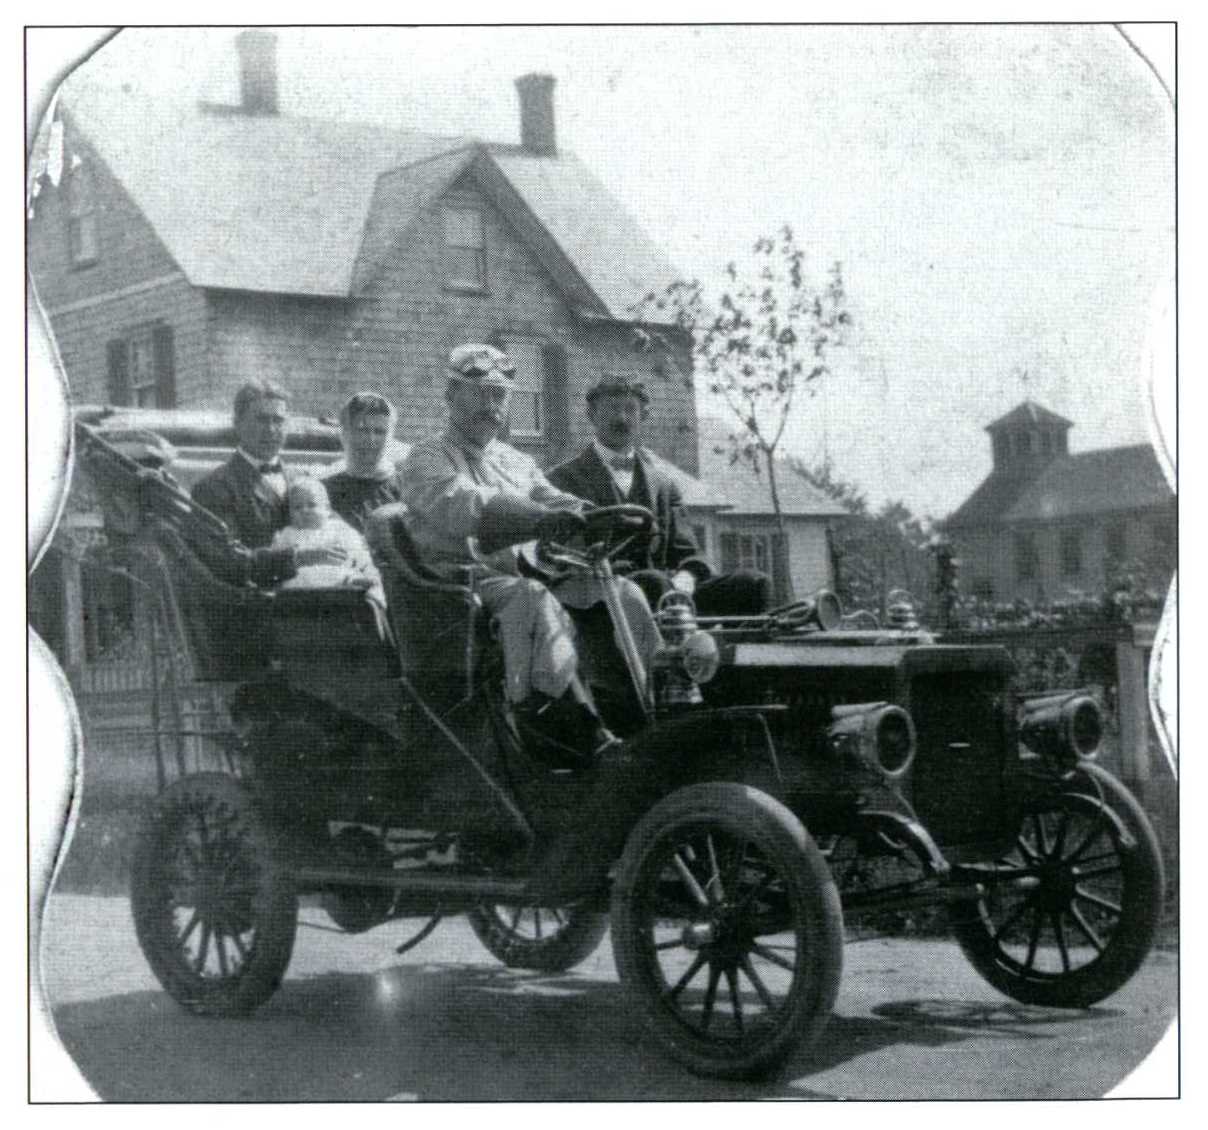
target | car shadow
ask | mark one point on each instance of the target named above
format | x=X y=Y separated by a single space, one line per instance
x=444 y=1031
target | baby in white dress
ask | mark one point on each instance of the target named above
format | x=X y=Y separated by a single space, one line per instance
x=312 y=523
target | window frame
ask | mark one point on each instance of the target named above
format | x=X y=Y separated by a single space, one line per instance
x=453 y=277
x=1027 y=558
x=82 y=217
x=1069 y=546
x=520 y=350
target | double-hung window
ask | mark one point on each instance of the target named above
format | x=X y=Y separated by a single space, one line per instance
x=465 y=249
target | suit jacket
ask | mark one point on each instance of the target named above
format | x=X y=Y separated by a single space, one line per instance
x=671 y=543
x=253 y=512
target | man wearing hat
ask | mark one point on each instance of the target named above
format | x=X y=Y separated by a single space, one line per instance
x=467 y=483
x=615 y=469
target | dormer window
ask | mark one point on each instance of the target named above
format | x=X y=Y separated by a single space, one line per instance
x=83 y=244
x=465 y=249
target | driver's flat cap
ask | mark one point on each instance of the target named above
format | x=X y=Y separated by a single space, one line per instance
x=482 y=365
x=617 y=386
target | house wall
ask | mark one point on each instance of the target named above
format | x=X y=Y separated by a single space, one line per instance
x=397 y=337
x=990 y=553
x=809 y=559
x=132 y=282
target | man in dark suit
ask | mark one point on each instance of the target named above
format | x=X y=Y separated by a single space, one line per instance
x=615 y=469
x=248 y=491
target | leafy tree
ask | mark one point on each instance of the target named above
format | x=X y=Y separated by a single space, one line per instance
x=758 y=345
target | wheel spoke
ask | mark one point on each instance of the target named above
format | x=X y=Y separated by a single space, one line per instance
x=203 y=950
x=675 y=943
x=1034 y=939
x=516 y=912
x=238 y=942
x=1086 y=929
x=749 y=969
x=1101 y=865
x=1059 y=838
x=775 y=958
x=689 y=879
x=1059 y=931
x=1099 y=901
x=222 y=957
x=559 y=917
x=1098 y=828
x=710 y=997
x=735 y=1002
x=1042 y=834
x=691 y=972
x=1026 y=849
x=537 y=922
x=190 y=926
x=714 y=886
x=1013 y=917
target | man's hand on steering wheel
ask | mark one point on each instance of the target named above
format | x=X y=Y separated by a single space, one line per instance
x=560 y=525
x=618 y=527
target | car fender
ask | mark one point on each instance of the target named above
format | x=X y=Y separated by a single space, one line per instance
x=725 y=744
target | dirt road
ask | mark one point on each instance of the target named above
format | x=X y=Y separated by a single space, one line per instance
x=447 y=1022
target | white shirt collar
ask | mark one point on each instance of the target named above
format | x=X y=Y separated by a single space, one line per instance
x=607 y=454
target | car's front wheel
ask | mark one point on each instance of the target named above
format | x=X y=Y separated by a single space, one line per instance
x=1069 y=914
x=727 y=929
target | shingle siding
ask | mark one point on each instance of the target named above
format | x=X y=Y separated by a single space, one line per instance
x=129 y=250
x=396 y=337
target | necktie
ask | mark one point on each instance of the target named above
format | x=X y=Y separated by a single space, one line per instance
x=272 y=468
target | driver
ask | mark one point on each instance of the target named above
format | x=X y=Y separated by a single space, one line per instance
x=466 y=483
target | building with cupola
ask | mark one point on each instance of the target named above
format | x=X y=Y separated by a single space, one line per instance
x=1048 y=524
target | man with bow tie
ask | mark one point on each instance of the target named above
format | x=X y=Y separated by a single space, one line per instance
x=614 y=468
x=248 y=492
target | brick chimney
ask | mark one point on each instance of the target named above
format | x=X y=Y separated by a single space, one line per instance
x=537 y=114
x=257 y=71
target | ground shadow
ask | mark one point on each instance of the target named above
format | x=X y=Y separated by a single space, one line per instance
x=462 y=1032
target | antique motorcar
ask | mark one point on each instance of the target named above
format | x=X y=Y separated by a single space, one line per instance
x=777 y=776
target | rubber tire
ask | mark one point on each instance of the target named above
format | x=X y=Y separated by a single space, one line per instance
x=575 y=942
x=1141 y=904
x=273 y=904
x=758 y=818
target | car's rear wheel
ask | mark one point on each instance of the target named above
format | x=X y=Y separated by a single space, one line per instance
x=1069 y=914
x=727 y=929
x=550 y=939
x=214 y=910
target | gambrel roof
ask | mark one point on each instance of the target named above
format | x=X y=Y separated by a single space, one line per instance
x=286 y=204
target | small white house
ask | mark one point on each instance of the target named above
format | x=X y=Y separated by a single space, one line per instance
x=730 y=508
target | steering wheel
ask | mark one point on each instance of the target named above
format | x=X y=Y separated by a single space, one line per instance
x=617 y=526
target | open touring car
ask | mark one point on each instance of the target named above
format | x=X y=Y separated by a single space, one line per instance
x=777 y=775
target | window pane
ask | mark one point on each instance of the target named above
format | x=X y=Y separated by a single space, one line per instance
x=528 y=400
x=1025 y=556
x=463 y=228
x=1071 y=553
x=525 y=413
x=466 y=266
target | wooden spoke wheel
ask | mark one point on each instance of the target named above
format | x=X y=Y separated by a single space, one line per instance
x=727 y=929
x=1071 y=911
x=214 y=910
x=545 y=938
